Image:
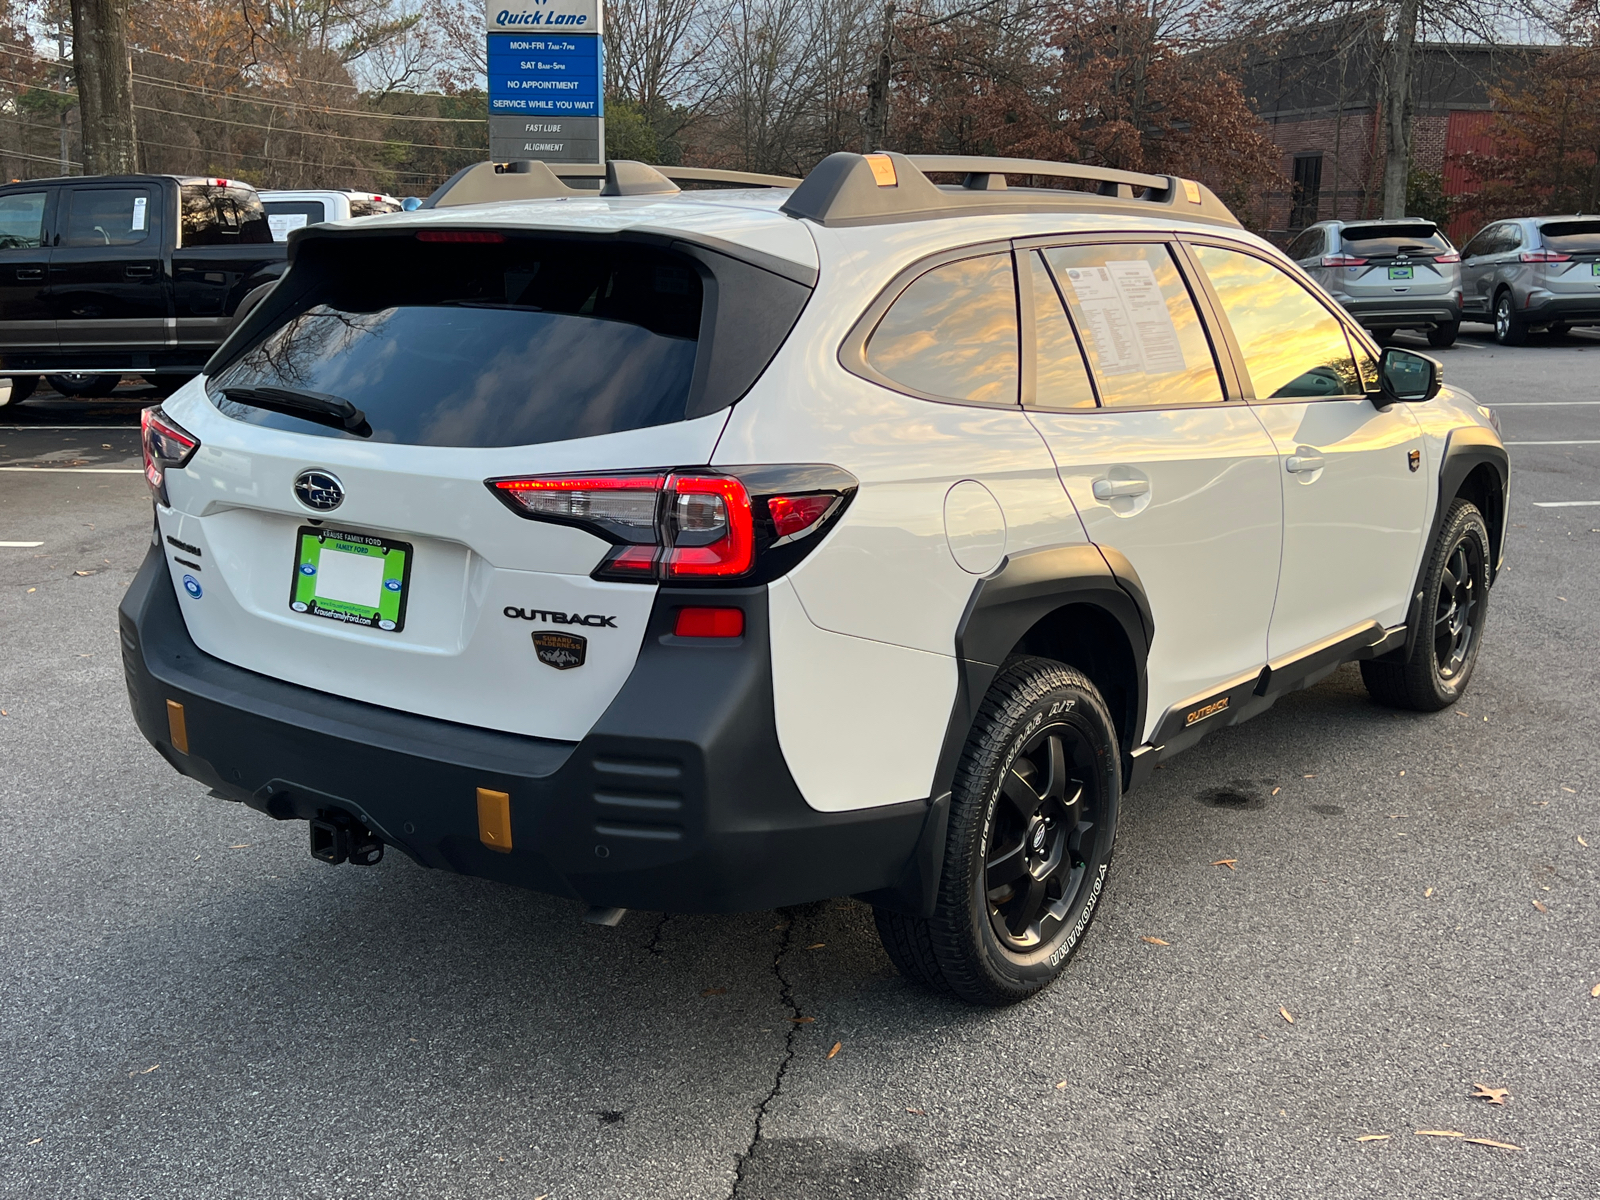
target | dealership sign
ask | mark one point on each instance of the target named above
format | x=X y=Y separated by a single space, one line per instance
x=546 y=81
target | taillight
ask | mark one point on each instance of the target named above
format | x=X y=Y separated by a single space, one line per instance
x=460 y=235
x=1342 y=260
x=166 y=445
x=688 y=526
x=1452 y=257
x=709 y=622
x=1544 y=256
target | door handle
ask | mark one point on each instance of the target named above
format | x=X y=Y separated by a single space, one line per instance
x=1113 y=489
x=1303 y=463
x=30 y=272
x=136 y=272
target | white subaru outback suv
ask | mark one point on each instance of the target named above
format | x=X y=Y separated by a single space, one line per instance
x=720 y=550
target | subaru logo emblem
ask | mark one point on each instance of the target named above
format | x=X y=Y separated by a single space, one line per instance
x=320 y=490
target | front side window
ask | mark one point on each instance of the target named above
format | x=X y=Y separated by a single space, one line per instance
x=22 y=221
x=1292 y=345
x=108 y=216
x=1138 y=323
x=509 y=344
x=223 y=214
x=953 y=333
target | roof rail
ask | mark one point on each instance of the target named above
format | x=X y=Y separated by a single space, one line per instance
x=530 y=179
x=867 y=189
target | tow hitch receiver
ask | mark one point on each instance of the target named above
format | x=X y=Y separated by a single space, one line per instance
x=337 y=841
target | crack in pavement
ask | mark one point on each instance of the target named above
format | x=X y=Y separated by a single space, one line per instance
x=653 y=946
x=786 y=997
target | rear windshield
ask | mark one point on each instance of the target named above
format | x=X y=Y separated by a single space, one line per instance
x=1375 y=241
x=372 y=206
x=1573 y=237
x=285 y=216
x=501 y=344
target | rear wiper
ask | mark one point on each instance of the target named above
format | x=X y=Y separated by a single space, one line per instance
x=312 y=406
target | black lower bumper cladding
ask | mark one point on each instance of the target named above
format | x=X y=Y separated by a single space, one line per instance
x=678 y=799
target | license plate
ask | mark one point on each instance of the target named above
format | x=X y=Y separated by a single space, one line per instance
x=1400 y=272
x=1594 y=268
x=355 y=578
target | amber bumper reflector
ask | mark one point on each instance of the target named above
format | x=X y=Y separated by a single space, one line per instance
x=177 y=728
x=494 y=820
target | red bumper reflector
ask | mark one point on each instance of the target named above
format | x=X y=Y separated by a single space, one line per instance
x=709 y=622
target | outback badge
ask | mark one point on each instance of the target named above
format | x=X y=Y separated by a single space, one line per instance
x=563 y=651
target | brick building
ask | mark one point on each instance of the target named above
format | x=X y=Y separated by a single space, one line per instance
x=1319 y=95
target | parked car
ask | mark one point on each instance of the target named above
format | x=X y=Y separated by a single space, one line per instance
x=291 y=210
x=107 y=275
x=1389 y=275
x=1533 y=273
x=720 y=550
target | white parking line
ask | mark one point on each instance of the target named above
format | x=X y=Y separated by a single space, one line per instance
x=77 y=470
x=1536 y=504
x=22 y=545
x=1583 y=442
x=1545 y=404
x=79 y=428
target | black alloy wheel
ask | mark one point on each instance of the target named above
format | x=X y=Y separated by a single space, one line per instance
x=1041 y=838
x=1452 y=613
x=1032 y=824
x=74 y=383
x=1508 y=327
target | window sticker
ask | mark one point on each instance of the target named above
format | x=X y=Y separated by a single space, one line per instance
x=282 y=223
x=139 y=203
x=1110 y=327
x=1128 y=318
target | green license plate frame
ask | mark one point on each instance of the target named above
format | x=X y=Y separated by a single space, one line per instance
x=1402 y=272
x=394 y=584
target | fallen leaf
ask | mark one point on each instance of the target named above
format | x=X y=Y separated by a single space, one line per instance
x=4 y=713
x=32 y=590
x=83 y=572
x=1402 y=772
x=837 y=1046
x=1540 y=907
x=1276 y=790
x=1230 y=863
x=1308 y=777
x=1492 y=1095
x=1440 y=1133
x=804 y=1020
x=35 y=1141
x=1595 y=991
x=1581 y=842
x=1427 y=893
x=715 y=992
x=917 y=1112
x=1565 y=788
x=1155 y=941
x=1284 y=1013
x=816 y=945
x=147 y=1070
x=1492 y=1142
x=240 y=846
x=197 y=858
x=1061 y=1085
x=1374 y=1137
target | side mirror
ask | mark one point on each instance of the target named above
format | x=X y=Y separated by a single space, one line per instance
x=1406 y=376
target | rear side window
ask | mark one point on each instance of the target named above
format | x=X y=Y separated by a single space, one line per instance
x=1292 y=345
x=223 y=216
x=1379 y=241
x=1307 y=245
x=1060 y=378
x=285 y=216
x=953 y=333
x=1138 y=323
x=108 y=216
x=474 y=344
x=1572 y=237
x=22 y=221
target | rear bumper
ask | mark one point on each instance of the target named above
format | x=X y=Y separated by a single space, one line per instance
x=1572 y=310
x=678 y=799
x=1404 y=312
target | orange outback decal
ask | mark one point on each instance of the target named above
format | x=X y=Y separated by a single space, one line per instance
x=1206 y=710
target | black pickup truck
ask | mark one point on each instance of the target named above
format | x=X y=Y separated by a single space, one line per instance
x=102 y=276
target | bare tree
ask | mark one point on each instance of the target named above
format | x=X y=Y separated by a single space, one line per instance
x=105 y=86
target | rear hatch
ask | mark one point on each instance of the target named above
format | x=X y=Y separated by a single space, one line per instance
x=1575 y=247
x=1397 y=260
x=334 y=528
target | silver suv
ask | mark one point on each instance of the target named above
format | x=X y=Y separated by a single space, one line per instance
x=1532 y=273
x=1389 y=275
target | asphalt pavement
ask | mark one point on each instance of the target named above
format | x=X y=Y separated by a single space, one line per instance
x=192 y=1006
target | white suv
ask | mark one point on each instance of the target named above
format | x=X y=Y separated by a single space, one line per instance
x=721 y=550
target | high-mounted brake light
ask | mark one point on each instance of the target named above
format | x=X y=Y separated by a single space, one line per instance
x=686 y=526
x=1538 y=256
x=166 y=445
x=1342 y=260
x=459 y=235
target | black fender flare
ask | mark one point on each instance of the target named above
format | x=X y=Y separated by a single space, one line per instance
x=1465 y=450
x=1005 y=605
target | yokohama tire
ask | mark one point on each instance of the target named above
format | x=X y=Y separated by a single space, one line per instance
x=1453 y=612
x=1033 y=818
